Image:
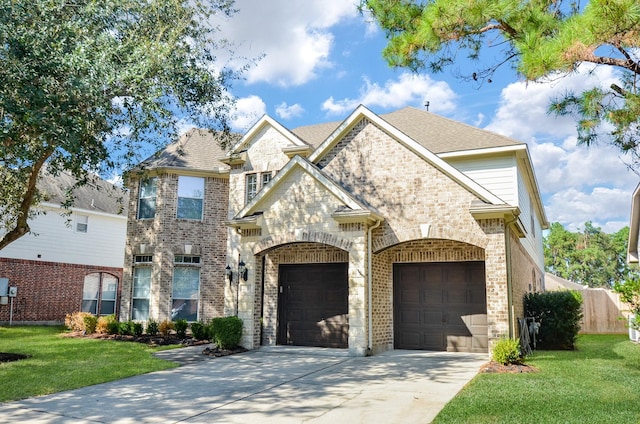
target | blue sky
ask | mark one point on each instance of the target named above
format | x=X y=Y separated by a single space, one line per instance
x=322 y=59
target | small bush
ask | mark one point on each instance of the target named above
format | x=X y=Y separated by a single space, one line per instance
x=138 y=329
x=113 y=326
x=226 y=332
x=506 y=351
x=90 y=324
x=126 y=328
x=165 y=327
x=559 y=315
x=198 y=330
x=101 y=326
x=181 y=326
x=75 y=321
x=152 y=327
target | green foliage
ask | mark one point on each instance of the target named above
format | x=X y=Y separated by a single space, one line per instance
x=506 y=351
x=95 y=86
x=559 y=315
x=198 y=330
x=152 y=327
x=538 y=39
x=590 y=257
x=181 y=326
x=226 y=332
x=126 y=328
x=90 y=324
x=113 y=326
x=137 y=329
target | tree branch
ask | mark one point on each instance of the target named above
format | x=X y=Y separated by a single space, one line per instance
x=22 y=224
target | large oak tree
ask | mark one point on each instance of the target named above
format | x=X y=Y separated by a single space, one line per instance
x=538 y=38
x=86 y=84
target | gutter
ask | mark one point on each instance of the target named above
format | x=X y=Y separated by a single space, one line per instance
x=370 y=286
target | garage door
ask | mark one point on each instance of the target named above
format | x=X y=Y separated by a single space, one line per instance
x=440 y=306
x=314 y=305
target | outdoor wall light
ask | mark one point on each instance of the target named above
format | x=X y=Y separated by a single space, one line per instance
x=242 y=272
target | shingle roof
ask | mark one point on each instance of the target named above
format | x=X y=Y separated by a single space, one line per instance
x=97 y=195
x=196 y=149
x=436 y=133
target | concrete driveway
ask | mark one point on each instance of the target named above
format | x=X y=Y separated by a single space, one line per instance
x=269 y=385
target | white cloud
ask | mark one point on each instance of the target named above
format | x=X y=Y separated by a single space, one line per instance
x=294 y=37
x=248 y=111
x=285 y=111
x=408 y=89
x=578 y=183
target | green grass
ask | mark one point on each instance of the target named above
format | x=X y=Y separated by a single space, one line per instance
x=62 y=363
x=597 y=383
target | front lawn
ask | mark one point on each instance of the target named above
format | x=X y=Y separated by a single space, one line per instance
x=61 y=363
x=597 y=383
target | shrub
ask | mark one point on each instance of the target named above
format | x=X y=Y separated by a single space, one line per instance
x=75 y=321
x=181 y=326
x=101 y=327
x=137 y=329
x=126 y=328
x=165 y=327
x=113 y=326
x=559 y=315
x=506 y=351
x=152 y=327
x=199 y=330
x=226 y=332
x=90 y=324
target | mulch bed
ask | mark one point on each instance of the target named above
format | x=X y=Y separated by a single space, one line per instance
x=9 y=357
x=496 y=367
x=171 y=339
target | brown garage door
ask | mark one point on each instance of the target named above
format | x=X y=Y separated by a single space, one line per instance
x=440 y=306
x=314 y=305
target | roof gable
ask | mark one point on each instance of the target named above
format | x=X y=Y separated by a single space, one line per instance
x=363 y=113
x=351 y=204
x=263 y=122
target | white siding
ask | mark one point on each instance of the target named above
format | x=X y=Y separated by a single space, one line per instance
x=531 y=221
x=55 y=241
x=496 y=174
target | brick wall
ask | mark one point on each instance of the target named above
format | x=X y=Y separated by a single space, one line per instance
x=166 y=236
x=47 y=291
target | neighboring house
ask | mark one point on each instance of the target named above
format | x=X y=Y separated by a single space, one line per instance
x=405 y=230
x=72 y=259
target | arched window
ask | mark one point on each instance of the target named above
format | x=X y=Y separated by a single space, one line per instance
x=99 y=293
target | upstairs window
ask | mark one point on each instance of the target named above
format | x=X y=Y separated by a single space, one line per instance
x=147 y=198
x=190 y=197
x=255 y=182
x=82 y=223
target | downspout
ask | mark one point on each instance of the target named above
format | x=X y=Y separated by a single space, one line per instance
x=370 y=286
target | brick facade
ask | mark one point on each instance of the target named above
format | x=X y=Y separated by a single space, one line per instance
x=47 y=291
x=166 y=236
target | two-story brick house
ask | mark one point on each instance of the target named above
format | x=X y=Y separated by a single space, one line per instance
x=404 y=230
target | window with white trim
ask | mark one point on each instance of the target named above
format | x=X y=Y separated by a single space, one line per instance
x=141 y=291
x=147 y=198
x=255 y=182
x=186 y=288
x=82 y=223
x=190 y=197
x=99 y=294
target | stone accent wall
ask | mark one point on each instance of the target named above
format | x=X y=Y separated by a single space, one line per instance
x=47 y=291
x=166 y=236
